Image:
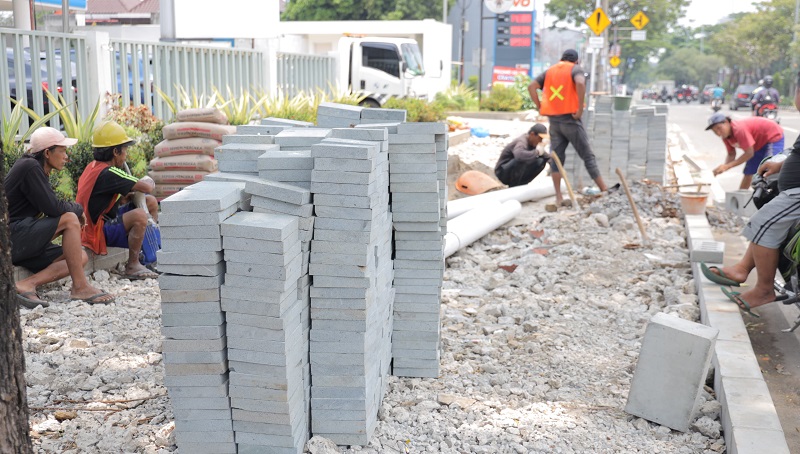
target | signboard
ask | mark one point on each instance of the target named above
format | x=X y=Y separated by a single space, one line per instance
x=514 y=39
x=505 y=76
x=598 y=21
x=640 y=20
x=615 y=61
x=72 y=4
x=639 y=35
x=498 y=6
x=522 y=6
x=596 y=42
x=206 y=19
x=614 y=71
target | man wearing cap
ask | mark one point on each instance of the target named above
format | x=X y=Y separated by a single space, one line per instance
x=102 y=187
x=520 y=162
x=758 y=137
x=36 y=217
x=563 y=88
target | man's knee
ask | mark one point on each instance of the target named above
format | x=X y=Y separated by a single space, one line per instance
x=69 y=220
x=84 y=257
x=135 y=218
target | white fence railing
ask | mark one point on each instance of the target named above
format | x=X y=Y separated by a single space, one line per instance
x=305 y=73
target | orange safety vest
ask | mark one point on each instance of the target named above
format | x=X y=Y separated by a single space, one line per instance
x=92 y=235
x=559 y=96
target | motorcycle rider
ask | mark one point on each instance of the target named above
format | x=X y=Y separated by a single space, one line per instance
x=767 y=95
x=717 y=96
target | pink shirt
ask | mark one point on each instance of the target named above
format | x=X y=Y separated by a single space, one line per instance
x=753 y=132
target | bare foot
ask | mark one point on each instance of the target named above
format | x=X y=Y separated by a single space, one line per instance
x=735 y=272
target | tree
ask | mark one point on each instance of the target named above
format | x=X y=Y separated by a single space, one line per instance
x=690 y=66
x=14 y=435
x=315 y=10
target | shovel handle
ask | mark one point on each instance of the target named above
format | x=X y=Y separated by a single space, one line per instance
x=645 y=238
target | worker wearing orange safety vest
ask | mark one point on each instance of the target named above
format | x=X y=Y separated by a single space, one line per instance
x=563 y=87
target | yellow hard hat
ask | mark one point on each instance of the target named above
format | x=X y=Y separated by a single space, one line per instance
x=109 y=134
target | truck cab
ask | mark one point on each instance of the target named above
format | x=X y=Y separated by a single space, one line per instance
x=380 y=68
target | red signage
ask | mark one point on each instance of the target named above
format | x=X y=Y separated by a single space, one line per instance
x=505 y=75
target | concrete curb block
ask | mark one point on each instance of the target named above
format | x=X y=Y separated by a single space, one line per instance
x=749 y=420
x=114 y=257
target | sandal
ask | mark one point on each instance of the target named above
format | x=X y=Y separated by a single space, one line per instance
x=25 y=300
x=736 y=298
x=719 y=277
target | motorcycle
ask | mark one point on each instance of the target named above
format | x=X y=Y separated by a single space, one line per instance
x=664 y=97
x=768 y=109
x=716 y=104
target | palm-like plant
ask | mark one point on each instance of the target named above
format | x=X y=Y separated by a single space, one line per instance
x=75 y=125
x=240 y=110
x=12 y=124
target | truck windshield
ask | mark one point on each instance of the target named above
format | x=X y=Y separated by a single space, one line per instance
x=413 y=59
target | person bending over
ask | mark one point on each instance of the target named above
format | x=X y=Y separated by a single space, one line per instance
x=36 y=217
x=103 y=191
x=520 y=162
x=757 y=137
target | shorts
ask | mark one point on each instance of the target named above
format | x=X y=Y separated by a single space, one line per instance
x=32 y=243
x=770 y=149
x=114 y=230
x=770 y=225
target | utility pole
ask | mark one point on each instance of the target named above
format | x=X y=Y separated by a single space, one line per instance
x=444 y=11
x=604 y=54
x=593 y=78
x=794 y=42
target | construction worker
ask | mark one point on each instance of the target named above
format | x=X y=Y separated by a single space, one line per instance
x=36 y=217
x=563 y=88
x=520 y=162
x=101 y=189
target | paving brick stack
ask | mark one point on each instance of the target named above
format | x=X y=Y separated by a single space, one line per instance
x=637 y=155
x=195 y=347
x=267 y=387
x=332 y=115
x=656 y=146
x=297 y=140
x=419 y=262
x=351 y=294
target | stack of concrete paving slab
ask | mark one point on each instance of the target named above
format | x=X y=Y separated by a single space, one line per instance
x=620 y=142
x=637 y=154
x=242 y=157
x=195 y=354
x=295 y=140
x=265 y=350
x=351 y=295
x=656 y=147
x=419 y=261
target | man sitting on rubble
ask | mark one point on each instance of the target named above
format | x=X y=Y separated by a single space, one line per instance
x=520 y=162
x=766 y=230
x=36 y=217
x=103 y=190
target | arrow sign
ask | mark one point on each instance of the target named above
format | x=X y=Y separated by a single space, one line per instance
x=598 y=21
x=640 y=20
x=615 y=61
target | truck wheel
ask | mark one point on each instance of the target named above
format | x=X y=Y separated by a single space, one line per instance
x=369 y=103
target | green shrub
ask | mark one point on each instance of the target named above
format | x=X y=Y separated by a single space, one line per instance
x=502 y=99
x=11 y=151
x=521 y=83
x=80 y=155
x=472 y=81
x=417 y=110
x=458 y=97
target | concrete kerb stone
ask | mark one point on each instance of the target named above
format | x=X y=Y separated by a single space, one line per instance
x=716 y=311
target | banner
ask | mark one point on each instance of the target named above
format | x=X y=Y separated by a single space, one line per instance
x=505 y=75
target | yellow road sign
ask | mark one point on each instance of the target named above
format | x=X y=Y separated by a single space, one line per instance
x=640 y=20
x=614 y=61
x=598 y=21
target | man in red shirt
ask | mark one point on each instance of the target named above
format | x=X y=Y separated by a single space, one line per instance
x=756 y=136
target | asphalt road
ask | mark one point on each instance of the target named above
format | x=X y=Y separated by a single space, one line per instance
x=778 y=353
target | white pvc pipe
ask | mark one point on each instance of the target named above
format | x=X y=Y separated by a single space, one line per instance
x=535 y=190
x=473 y=225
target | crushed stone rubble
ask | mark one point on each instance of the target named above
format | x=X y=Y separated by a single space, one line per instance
x=542 y=323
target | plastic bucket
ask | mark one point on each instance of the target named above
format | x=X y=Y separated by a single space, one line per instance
x=622 y=102
x=693 y=202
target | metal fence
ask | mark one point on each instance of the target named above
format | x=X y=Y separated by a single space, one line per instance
x=140 y=69
x=299 y=73
x=42 y=61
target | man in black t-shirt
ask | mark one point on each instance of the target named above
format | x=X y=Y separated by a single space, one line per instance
x=520 y=162
x=101 y=189
x=36 y=217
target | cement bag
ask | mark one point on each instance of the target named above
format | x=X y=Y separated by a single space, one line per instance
x=193 y=145
x=197 y=129
x=185 y=162
x=203 y=115
x=166 y=190
x=178 y=177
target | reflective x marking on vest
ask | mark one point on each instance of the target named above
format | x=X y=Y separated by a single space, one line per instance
x=556 y=92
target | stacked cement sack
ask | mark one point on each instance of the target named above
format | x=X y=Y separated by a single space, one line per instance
x=417 y=198
x=186 y=154
x=195 y=343
x=308 y=293
x=265 y=321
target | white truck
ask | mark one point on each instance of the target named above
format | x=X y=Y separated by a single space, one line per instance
x=379 y=68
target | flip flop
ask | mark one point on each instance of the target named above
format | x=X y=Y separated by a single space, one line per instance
x=141 y=275
x=30 y=303
x=94 y=298
x=718 y=277
x=736 y=298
